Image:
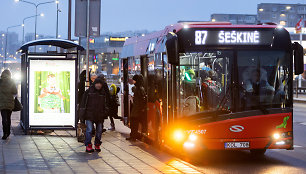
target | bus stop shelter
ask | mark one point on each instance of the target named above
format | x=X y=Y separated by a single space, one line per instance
x=49 y=84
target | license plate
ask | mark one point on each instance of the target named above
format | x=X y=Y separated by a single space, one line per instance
x=236 y=145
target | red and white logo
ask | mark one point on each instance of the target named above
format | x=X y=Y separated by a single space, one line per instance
x=236 y=128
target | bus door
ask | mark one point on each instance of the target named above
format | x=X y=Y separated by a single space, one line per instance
x=131 y=66
x=154 y=93
x=125 y=91
x=144 y=72
x=187 y=91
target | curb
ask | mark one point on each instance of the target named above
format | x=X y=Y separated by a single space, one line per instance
x=299 y=100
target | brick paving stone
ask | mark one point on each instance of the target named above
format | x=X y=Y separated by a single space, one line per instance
x=59 y=152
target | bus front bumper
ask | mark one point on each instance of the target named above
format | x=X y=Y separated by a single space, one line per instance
x=239 y=144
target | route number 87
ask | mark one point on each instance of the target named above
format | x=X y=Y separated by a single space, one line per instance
x=200 y=37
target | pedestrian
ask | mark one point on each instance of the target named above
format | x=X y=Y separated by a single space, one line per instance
x=95 y=104
x=114 y=103
x=81 y=127
x=105 y=88
x=139 y=106
x=81 y=86
x=7 y=91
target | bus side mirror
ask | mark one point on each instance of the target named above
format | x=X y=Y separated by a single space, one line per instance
x=298 y=58
x=172 y=48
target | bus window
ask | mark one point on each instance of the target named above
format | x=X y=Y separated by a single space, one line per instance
x=263 y=78
x=203 y=81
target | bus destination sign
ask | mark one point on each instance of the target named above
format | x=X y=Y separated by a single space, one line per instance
x=232 y=37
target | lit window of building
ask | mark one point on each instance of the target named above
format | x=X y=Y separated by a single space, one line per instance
x=283 y=23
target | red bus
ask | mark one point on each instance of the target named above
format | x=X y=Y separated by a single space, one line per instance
x=215 y=86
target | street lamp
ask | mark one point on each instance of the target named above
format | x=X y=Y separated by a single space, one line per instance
x=24 y=24
x=36 y=6
x=57 y=11
x=6 y=35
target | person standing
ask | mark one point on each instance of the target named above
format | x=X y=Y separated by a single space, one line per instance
x=114 y=103
x=106 y=90
x=139 y=106
x=7 y=91
x=95 y=104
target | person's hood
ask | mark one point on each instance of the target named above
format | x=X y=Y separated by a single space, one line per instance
x=98 y=80
x=113 y=89
x=83 y=76
x=101 y=76
x=139 y=80
x=6 y=74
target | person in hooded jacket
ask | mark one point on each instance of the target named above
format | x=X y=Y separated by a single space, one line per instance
x=95 y=103
x=139 y=106
x=7 y=91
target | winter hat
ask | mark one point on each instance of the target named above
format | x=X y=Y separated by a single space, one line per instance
x=97 y=80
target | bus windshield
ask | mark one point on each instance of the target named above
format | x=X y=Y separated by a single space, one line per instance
x=206 y=78
x=264 y=78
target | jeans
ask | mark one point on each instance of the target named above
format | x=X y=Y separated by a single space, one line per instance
x=6 y=121
x=88 y=134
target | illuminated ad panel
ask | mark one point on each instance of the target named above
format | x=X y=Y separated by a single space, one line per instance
x=52 y=93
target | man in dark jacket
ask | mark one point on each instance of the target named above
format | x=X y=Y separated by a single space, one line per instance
x=139 y=106
x=95 y=103
x=7 y=91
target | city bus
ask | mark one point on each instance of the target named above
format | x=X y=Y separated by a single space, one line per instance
x=214 y=86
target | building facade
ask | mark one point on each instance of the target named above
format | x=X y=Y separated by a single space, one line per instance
x=286 y=15
x=244 y=19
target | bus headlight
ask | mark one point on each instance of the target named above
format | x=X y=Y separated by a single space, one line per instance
x=276 y=136
x=189 y=145
x=193 y=137
x=178 y=135
x=280 y=143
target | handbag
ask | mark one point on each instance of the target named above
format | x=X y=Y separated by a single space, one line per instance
x=82 y=110
x=17 y=105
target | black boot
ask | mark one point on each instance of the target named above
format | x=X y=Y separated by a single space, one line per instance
x=4 y=137
x=112 y=128
x=131 y=139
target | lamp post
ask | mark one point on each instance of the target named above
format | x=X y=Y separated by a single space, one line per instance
x=36 y=6
x=57 y=11
x=24 y=24
x=5 y=51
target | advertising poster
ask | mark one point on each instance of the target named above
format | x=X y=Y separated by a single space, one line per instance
x=52 y=93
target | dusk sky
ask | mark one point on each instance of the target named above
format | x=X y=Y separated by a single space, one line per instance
x=123 y=15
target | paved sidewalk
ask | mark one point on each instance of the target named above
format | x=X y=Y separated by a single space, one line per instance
x=59 y=152
x=300 y=99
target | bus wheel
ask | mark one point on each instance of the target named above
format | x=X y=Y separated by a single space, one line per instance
x=258 y=152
